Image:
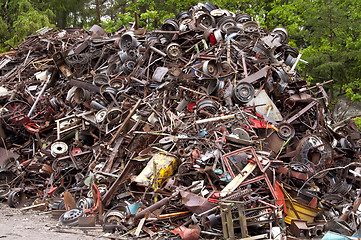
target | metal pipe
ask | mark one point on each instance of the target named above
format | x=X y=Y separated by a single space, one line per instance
x=160 y=203
x=215 y=119
x=38 y=98
x=158 y=51
x=297 y=60
x=244 y=65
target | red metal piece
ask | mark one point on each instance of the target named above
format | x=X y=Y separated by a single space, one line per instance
x=281 y=196
x=187 y=233
x=212 y=38
x=98 y=205
x=256 y=179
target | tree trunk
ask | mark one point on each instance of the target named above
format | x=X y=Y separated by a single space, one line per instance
x=331 y=57
x=98 y=10
x=61 y=18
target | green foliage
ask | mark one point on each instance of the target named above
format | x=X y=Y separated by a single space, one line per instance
x=113 y=26
x=327 y=32
x=19 y=19
x=151 y=15
x=357 y=121
x=154 y=18
x=175 y=6
x=70 y=12
x=151 y=18
x=352 y=90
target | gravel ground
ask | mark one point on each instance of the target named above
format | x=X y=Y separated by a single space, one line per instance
x=32 y=225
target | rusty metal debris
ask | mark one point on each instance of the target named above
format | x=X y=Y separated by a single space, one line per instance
x=203 y=127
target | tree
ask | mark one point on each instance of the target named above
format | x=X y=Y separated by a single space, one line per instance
x=325 y=31
x=152 y=14
x=68 y=13
x=20 y=18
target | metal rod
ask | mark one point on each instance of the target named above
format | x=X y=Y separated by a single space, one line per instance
x=297 y=60
x=38 y=98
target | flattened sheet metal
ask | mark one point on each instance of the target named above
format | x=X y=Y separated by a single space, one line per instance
x=266 y=107
x=4 y=62
x=196 y=204
x=257 y=75
x=5 y=156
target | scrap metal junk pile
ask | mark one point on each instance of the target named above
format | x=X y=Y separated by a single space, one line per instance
x=201 y=129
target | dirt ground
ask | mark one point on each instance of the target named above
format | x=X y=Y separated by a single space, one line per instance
x=33 y=225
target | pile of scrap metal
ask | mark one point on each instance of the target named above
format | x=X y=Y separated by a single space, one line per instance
x=201 y=129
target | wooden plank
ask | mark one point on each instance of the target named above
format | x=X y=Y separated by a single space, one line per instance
x=247 y=170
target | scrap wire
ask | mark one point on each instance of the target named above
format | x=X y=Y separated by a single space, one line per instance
x=326 y=170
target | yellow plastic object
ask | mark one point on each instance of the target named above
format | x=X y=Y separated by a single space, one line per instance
x=304 y=212
x=166 y=166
